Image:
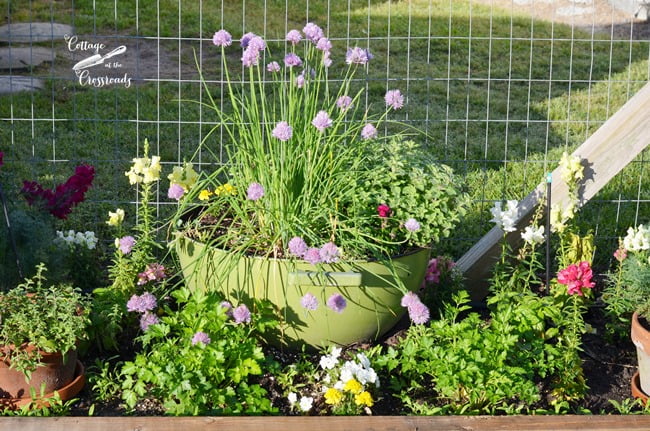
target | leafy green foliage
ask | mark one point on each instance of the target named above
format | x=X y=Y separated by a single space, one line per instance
x=191 y=379
x=51 y=318
x=405 y=177
x=472 y=366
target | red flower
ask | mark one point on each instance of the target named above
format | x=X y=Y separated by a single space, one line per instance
x=576 y=277
x=383 y=210
x=59 y=202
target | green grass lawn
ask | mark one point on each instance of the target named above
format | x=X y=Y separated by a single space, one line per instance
x=499 y=97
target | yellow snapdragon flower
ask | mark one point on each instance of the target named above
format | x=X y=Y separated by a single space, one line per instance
x=115 y=218
x=185 y=176
x=333 y=396
x=572 y=169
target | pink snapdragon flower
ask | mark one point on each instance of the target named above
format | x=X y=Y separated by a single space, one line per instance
x=383 y=210
x=576 y=277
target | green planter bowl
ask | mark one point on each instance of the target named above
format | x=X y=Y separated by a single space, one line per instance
x=369 y=288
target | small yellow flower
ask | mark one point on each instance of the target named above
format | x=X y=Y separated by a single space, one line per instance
x=364 y=398
x=204 y=195
x=572 y=169
x=152 y=172
x=115 y=218
x=333 y=396
x=353 y=386
x=225 y=189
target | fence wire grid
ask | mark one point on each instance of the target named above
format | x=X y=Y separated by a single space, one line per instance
x=499 y=88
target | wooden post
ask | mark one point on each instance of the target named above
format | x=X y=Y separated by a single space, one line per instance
x=605 y=153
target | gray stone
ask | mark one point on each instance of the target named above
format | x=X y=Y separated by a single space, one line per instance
x=639 y=9
x=26 y=32
x=24 y=57
x=574 y=11
x=14 y=84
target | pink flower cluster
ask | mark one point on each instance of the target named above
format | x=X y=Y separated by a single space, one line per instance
x=60 y=200
x=153 y=272
x=576 y=278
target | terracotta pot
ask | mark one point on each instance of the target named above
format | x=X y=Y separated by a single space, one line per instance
x=55 y=372
x=65 y=393
x=641 y=339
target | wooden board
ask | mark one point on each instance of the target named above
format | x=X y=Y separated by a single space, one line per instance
x=330 y=423
x=612 y=147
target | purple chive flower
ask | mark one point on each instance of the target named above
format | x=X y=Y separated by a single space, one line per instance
x=292 y=59
x=241 y=314
x=368 y=131
x=324 y=44
x=176 y=191
x=412 y=225
x=227 y=306
x=357 y=55
x=142 y=304
x=294 y=37
x=245 y=39
x=147 y=320
x=313 y=32
x=282 y=131
x=255 y=191
x=126 y=244
x=300 y=80
x=222 y=38
x=409 y=299
x=418 y=313
x=256 y=43
x=273 y=67
x=312 y=255
x=344 y=103
x=337 y=302
x=394 y=99
x=329 y=253
x=297 y=246
x=309 y=302
x=322 y=121
x=250 y=57
x=327 y=61
x=200 y=337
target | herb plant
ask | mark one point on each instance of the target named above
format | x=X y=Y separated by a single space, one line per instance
x=202 y=359
x=50 y=318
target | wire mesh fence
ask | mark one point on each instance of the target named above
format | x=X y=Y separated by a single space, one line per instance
x=497 y=89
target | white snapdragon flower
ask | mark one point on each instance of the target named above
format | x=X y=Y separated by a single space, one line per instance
x=505 y=219
x=637 y=239
x=533 y=235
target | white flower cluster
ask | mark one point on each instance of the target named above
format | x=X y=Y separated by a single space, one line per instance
x=72 y=238
x=305 y=403
x=361 y=371
x=505 y=219
x=637 y=239
x=533 y=235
